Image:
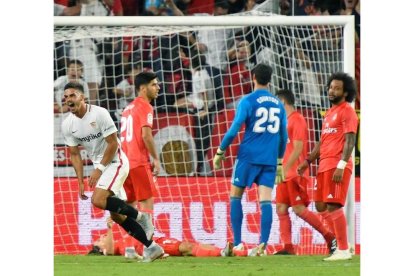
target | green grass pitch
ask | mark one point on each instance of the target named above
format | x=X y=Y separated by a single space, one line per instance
x=70 y=265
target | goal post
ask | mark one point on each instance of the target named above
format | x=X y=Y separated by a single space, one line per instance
x=193 y=201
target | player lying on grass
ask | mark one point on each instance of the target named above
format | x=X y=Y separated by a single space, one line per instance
x=130 y=248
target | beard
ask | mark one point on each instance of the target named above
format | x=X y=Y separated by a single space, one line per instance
x=336 y=100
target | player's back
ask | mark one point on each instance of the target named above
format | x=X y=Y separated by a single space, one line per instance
x=135 y=116
x=265 y=129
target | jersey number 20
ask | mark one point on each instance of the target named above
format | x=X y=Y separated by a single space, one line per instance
x=126 y=125
x=268 y=117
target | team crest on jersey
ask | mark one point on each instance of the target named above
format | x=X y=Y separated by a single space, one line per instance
x=93 y=124
x=149 y=118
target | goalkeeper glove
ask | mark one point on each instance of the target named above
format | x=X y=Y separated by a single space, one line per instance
x=280 y=174
x=218 y=158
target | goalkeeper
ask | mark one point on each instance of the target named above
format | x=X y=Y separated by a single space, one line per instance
x=263 y=145
x=293 y=191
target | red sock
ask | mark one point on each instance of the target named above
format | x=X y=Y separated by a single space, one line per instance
x=339 y=222
x=316 y=223
x=285 y=227
x=199 y=251
x=328 y=220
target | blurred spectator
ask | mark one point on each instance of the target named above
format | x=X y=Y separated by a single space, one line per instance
x=310 y=94
x=214 y=42
x=157 y=7
x=352 y=7
x=238 y=81
x=175 y=9
x=90 y=8
x=202 y=95
x=236 y=6
x=249 y=5
x=182 y=5
x=87 y=50
x=130 y=7
x=200 y=6
x=125 y=90
x=201 y=102
x=177 y=81
x=101 y=7
x=74 y=74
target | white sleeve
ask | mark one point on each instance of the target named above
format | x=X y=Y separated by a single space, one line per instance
x=105 y=122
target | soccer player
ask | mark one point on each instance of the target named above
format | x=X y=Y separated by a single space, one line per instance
x=334 y=150
x=138 y=144
x=260 y=152
x=92 y=127
x=130 y=248
x=293 y=191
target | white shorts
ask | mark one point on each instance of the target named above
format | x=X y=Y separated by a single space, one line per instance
x=114 y=176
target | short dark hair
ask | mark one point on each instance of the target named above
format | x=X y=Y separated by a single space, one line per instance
x=287 y=96
x=221 y=4
x=74 y=85
x=263 y=73
x=349 y=84
x=144 y=78
x=76 y=61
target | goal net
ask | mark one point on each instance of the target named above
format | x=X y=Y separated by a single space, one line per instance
x=204 y=66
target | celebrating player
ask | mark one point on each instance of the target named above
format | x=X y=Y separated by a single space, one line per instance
x=292 y=191
x=92 y=127
x=138 y=144
x=335 y=166
x=263 y=145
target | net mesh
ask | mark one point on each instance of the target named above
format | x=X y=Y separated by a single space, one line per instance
x=203 y=73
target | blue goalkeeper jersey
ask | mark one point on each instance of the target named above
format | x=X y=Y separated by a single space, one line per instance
x=265 y=134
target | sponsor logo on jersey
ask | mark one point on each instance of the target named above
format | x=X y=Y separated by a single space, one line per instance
x=90 y=137
x=330 y=130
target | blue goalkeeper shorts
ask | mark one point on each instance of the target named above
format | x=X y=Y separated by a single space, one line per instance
x=245 y=174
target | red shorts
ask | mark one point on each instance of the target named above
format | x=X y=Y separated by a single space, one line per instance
x=171 y=246
x=329 y=192
x=293 y=192
x=140 y=184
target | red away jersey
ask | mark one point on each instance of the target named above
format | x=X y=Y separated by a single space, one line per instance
x=297 y=130
x=338 y=120
x=138 y=114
